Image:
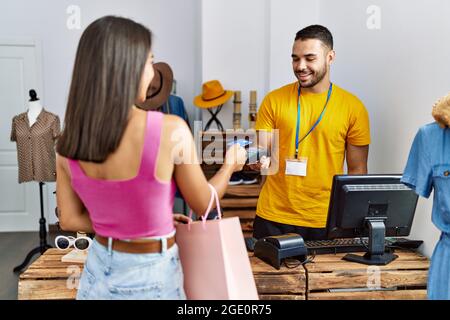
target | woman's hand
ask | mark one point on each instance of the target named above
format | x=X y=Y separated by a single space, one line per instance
x=179 y=218
x=236 y=156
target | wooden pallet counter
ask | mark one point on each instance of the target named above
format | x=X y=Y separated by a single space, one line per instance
x=283 y=284
x=48 y=278
x=331 y=278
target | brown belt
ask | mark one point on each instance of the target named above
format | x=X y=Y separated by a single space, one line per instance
x=136 y=246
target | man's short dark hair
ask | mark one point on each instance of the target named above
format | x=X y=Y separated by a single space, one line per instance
x=316 y=32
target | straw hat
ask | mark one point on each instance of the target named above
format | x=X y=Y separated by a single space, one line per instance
x=441 y=111
x=213 y=95
x=159 y=89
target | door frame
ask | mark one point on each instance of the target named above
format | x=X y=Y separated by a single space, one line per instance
x=29 y=42
x=39 y=80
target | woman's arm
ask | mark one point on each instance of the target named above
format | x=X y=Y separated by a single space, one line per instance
x=189 y=176
x=73 y=216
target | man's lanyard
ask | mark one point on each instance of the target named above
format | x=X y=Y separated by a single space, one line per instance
x=315 y=124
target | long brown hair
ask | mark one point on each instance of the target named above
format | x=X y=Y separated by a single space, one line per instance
x=110 y=60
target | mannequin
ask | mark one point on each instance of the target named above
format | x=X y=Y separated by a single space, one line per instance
x=34 y=108
x=35 y=132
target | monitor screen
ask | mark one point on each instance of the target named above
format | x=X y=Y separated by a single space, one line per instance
x=371 y=206
x=356 y=198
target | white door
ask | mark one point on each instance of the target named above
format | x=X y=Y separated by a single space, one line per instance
x=19 y=72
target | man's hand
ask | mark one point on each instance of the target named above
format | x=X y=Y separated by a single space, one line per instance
x=180 y=218
x=263 y=163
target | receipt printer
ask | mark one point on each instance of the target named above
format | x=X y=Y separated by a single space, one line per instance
x=274 y=249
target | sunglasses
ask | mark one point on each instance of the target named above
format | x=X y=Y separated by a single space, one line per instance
x=80 y=243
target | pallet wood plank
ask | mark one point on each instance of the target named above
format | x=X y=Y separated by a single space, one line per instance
x=285 y=283
x=251 y=190
x=240 y=213
x=50 y=266
x=46 y=290
x=55 y=251
x=402 y=256
x=239 y=202
x=282 y=297
x=344 y=265
x=361 y=279
x=51 y=273
x=370 y=295
x=280 y=283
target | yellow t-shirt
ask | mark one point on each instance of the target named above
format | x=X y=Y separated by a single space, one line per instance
x=303 y=201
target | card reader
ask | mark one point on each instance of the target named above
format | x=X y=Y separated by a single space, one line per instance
x=274 y=249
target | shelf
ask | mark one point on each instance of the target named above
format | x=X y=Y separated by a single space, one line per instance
x=241 y=214
x=239 y=202
x=242 y=190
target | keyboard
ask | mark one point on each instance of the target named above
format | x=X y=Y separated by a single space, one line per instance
x=355 y=245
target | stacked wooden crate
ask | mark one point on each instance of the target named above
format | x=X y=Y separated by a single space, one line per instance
x=48 y=278
x=331 y=278
x=283 y=284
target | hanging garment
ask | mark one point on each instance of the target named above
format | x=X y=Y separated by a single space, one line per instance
x=36 y=146
x=428 y=169
x=175 y=105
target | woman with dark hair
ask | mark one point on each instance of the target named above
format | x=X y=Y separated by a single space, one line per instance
x=117 y=166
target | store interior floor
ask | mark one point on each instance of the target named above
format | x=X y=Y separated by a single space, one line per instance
x=14 y=247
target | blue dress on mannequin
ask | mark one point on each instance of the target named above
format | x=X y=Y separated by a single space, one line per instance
x=428 y=169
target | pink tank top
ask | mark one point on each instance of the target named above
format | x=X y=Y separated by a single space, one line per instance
x=134 y=208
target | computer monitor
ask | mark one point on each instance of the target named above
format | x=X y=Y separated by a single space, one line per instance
x=372 y=206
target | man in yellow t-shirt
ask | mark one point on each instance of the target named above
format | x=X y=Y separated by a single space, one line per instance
x=332 y=125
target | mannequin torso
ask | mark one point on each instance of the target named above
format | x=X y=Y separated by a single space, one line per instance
x=34 y=109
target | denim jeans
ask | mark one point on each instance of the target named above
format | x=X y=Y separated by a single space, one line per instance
x=110 y=275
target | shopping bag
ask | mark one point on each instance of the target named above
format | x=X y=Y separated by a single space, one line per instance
x=214 y=258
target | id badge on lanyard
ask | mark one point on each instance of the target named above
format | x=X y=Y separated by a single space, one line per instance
x=298 y=166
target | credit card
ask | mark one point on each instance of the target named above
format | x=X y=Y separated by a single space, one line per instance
x=241 y=142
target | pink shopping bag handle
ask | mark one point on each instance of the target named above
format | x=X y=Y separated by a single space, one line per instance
x=208 y=210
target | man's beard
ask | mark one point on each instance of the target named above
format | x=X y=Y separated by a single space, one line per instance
x=316 y=78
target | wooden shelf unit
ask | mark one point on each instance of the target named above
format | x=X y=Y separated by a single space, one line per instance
x=239 y=200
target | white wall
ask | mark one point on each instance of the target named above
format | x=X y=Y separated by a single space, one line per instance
x=286 y=18
x=247 y=45
x=175 y=25
x=235 y=51
x=398 y=71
